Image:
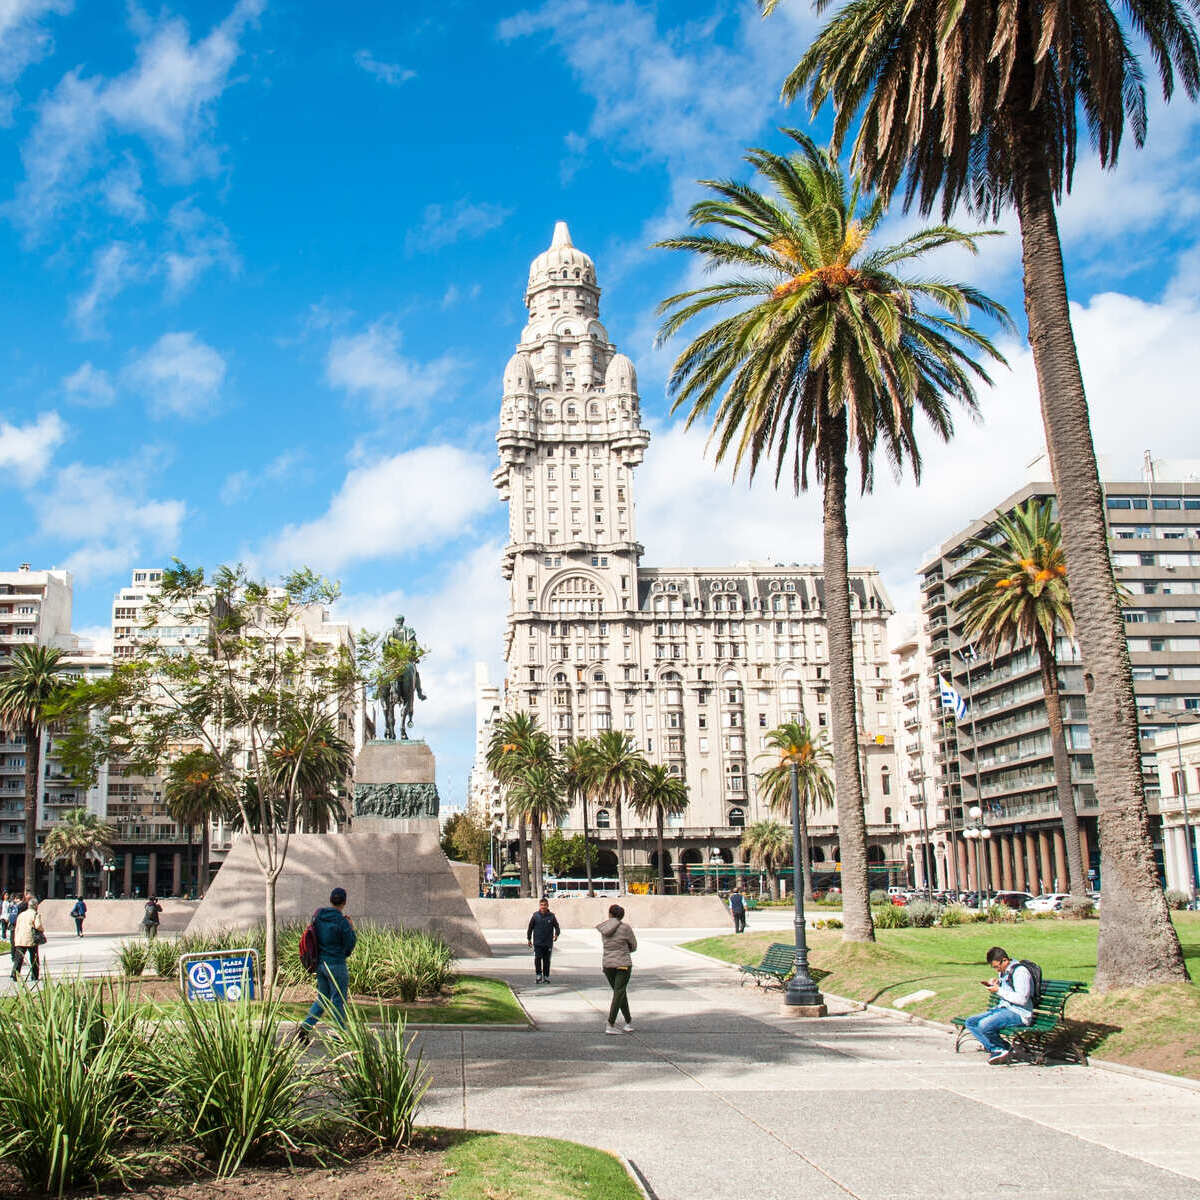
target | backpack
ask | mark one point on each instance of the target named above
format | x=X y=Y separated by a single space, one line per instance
x=309 y=950
x=1035 y=973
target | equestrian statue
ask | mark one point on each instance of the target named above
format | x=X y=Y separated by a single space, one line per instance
x=400 y=681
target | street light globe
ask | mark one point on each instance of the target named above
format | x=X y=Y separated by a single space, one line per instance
x=975 y=812
x=970 y=834
x=985 y=833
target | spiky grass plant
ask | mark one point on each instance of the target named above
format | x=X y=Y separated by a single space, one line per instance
x=234 y=1088
x=74 y=1070
x=132 y=957
x=164 y=957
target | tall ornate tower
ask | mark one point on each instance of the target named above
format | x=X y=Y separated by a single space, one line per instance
x=570 y=436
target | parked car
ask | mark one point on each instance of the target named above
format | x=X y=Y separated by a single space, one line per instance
x=1012 y=899
x=1048 y=902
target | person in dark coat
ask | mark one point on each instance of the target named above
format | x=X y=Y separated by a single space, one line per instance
x=542 y=933
x=335 y=942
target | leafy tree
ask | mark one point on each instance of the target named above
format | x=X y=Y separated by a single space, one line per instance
x=324 y=763
x=663 y=794
x=578 y=770
x=979 y=103
x=466 y=839
x=193 y=794
x=617 y=770
x=795 y=742
x=823 y=346
x=232 y=696
x=768 y=845
x=566 y=855
x=31 y=685
x=80 y=837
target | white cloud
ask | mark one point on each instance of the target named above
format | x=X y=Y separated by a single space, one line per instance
x=121 y=189
x=462 y=622
x=114 y=268
x=393 y=74
x=90 y=386
x=1128 y=347
x=166 y=99
x=370 y=365
x=26 y=450
x=179 y=375
x=455 y=295
x=408 y=502
x=106 y=513
x=200 y=243
x=440 y=227
x=24 y=39
x=95 y=637
x=240 y=484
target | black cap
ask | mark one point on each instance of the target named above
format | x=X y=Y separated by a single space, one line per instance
x=337 y=896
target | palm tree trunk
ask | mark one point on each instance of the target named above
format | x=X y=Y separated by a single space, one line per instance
x=805 y=853
x=191 y=856
x=1076 y=879
x=773 y=883
x=620 y=830
x=662 y=870
x=79 y=880
x=852 y=825
x=539 y=885
x=33 y=754
x=204 y=845
x=1138 y=944
x=587 y=846
x=523 y=857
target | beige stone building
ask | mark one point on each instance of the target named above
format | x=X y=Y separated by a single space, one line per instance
x=696 y=664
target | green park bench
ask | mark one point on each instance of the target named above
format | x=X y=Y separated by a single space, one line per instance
x=1049 y=1033
x=776 y=966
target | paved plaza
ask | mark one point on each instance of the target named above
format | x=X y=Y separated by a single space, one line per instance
x=715 y=1094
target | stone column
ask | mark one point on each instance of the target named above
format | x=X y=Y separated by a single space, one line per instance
x=964 y=873
x=1060 y=860
x=152 y=875
x=1018 y=848
x=994 y=859
x=1006 y=857
x=1044 y=861
x=1032 y=862
x=128 y=888
x=177 y=873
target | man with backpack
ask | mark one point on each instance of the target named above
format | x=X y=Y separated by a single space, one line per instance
x=1016 y=987
x=334 y=935
x=150 y=917
x=737 y=909
x=78 y=912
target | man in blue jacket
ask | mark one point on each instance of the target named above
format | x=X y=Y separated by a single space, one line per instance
x=335 y=942
x=1013 y=988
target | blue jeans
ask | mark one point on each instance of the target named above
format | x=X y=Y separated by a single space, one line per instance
x=333 y=986
x=983 y=1026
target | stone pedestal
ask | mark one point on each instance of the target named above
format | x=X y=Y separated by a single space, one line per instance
x=803 y=1010
x=395 y=788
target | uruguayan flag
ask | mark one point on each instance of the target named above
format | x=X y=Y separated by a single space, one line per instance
x=951 y=698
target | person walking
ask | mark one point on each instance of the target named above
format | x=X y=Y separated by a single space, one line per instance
x=1013 y=987
x=150 y=917
x=541 y=934
x=29 y=935
x=78 y=912
x=619 y=942
x=4 y=918
x=335 y=943
x=737 y=909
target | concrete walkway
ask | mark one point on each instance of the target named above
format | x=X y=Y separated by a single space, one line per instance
x=716 y=1095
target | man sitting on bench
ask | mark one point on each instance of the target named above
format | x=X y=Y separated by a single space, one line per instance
x=1013 y=988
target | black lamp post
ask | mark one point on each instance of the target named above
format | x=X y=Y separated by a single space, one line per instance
x=801 y=989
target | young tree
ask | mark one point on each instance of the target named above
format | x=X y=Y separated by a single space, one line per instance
x=31 y=684
x=80 y=837
x=795 y=742
x=565 y=855
x=1017 y=595
x=769 y=846
x=231 y=696
x=193 y=799
x=979 y=103
x=663 y=794
x=617 y=769
x=826 y=348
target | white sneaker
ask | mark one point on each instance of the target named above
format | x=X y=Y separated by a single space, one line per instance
x=628 y=1027
x=611 y=1029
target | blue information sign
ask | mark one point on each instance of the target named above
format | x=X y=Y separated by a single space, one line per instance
x=220 y=975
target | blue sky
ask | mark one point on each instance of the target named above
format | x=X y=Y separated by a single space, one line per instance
x=264 y=266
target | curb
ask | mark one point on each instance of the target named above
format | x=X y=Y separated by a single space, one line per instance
x=894 y=1014
x=639 y=1180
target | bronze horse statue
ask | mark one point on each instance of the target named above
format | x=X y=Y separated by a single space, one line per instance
x=404 y=690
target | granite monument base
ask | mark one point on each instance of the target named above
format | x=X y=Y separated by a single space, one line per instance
x=395 y=789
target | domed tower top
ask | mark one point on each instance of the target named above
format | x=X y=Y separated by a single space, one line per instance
x=562 y=279
x=518 y=377
x=621 y=378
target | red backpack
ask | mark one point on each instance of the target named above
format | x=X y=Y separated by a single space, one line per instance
x=309 y=950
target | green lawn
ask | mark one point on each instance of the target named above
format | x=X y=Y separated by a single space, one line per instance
x=501 y=1166
x=1155 y=1027
x=475 y=1001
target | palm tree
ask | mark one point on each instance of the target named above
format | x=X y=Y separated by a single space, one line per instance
x=516 y=742
x=795 y=742
x=825 y=350
x=665 y=795
x=30 y=682
x=78 y=837
x=193 y=798
x=1018 y=596
x=538 y=793
x=578 y=759
x=979 y=102
x=326 y=761
x=769 y=846
x=617 y=771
